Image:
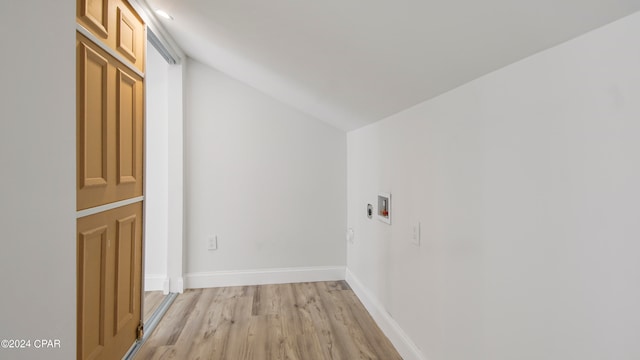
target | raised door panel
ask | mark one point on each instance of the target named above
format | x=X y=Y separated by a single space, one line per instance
x=92 y=117
x=130 y=34
x=128 y=128
x=92 y=272
x=125 y=263
x=128 y=275
x=94 y=16
x=129 y=135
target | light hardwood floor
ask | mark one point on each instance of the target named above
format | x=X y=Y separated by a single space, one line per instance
x=305 y=321
x=152 y=300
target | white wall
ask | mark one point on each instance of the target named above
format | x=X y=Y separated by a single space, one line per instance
x=527 y=184
x=157 y=169
x=264 y=177
x=37 y=158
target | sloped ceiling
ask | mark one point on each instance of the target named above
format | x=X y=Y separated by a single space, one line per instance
x=353 y=62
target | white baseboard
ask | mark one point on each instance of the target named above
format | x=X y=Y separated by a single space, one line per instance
x=165 y=286
x=177 y=285
x=263 y=276
x=155 y=282
x=405 y=346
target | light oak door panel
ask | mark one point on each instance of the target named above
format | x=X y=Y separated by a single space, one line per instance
x=117 y=23
x=110 y=117
x=129 y=133
x=127 y=127
x=109 y=282
x=92 y=124
x=125 y=271
x=92 y=280
x=127 y=299
x=94 y=16
x=130 y=34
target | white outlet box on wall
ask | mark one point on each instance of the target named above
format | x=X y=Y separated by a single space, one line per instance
x=384 y=207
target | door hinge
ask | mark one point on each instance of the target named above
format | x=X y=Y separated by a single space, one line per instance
x=140 y=331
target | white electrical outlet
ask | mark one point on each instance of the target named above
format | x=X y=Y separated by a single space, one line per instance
x=213 y=243
x=415 y=237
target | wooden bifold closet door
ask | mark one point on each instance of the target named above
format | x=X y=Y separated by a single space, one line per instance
x=110 y=46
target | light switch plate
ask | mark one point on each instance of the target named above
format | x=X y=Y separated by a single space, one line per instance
x=212 y=243
x=415 y=236
x=350 y=235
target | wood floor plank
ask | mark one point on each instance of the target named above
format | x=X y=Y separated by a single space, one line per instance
x=302 y=321
x=267 y=300
x=152 y=300
x=160 y=353
x=171 y=326
x=368 y=340
x=215 y=338
x=215 y=332
x=191 y=332
x=363 y=320
x=317 y=321
x=350 y=338
x=337 y=285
